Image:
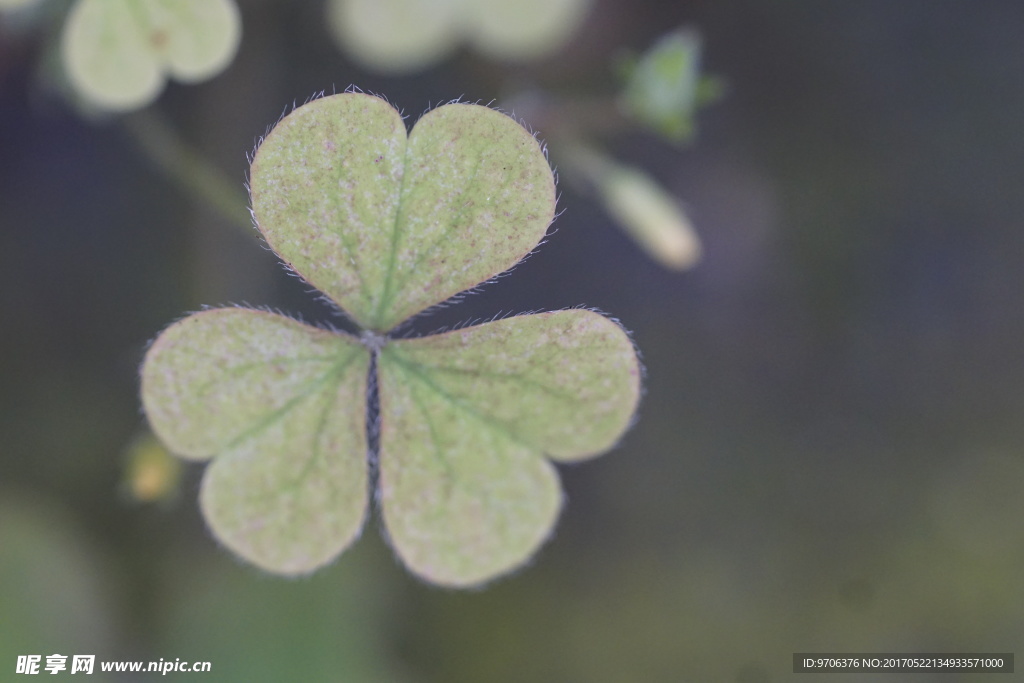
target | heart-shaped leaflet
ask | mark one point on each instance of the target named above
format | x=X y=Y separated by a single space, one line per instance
x=388 y=225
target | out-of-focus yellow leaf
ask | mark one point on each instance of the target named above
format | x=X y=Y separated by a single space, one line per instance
x=152 y=474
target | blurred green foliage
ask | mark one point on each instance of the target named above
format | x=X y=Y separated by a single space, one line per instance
x=56 y=595
x=255 y=628
x=665 y=85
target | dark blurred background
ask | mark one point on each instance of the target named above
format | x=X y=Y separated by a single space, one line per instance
x=830 y=452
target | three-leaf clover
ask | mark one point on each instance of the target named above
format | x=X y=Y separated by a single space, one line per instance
x=388 y=224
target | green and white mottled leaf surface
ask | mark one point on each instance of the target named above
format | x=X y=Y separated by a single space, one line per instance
x=117 y=53
x=395 y=36
x=281 y=407
x=388 y=226
x=468 y=420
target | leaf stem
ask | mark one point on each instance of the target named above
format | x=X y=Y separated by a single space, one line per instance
x=183 y=164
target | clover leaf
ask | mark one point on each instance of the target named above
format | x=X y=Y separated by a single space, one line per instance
x=387 y=225
x=118 y=53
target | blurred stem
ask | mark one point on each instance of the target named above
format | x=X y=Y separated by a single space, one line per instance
x=187 y=167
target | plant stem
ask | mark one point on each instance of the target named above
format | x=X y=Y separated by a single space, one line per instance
x=187 y=167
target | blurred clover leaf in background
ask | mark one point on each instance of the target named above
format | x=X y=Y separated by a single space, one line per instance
x=664 y=86
x=410 y=35
x=118 y=53
x=388 y=224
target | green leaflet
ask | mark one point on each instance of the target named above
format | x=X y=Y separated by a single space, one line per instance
x=534 y=377
x=466 y=420
x=282 y=407
x=387 y=226
x=117 y=53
